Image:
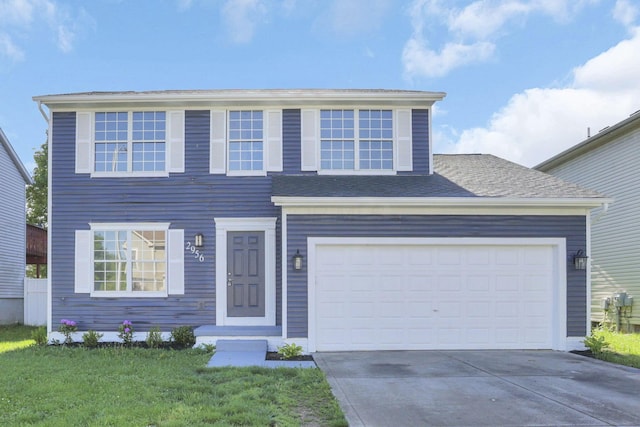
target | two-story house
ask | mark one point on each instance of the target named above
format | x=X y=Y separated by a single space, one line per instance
x=14 y=178
x=320 y=217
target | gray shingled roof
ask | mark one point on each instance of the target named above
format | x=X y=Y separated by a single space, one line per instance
x=456 y=175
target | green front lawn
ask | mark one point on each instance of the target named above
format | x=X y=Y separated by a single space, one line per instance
x=623 y=349
x=70 y=386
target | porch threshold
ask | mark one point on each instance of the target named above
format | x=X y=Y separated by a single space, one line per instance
x=238 y=331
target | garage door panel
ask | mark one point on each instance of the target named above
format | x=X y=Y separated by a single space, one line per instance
x=432 y=297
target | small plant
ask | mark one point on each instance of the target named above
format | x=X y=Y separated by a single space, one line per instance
x=39 y=335
x=154 y=338
x=67 y=328
x=91 y=338
x=596 y=342
x=183 y=336
x=125 y=332
x=289 y=351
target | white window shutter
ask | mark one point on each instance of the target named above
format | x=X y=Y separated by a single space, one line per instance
x=83 y=280
x=175 y=278
x=175 y=141
x=218 y=142
x=404 y=144
x=309 y=130
x=83 y=142
x=273 y=132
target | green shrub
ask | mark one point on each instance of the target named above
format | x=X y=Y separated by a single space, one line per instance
x=67 y=328
x=289 y=351
x=125 y=332
x=154 y=338
x=596 y=342
x=39 y=335
x=91 y=338
x=183 y=336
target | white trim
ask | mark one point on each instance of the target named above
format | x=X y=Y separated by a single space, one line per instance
x=130 y=226
x=285 y=277
x=51 y=212
x=434 y=210
x=430 y=127
x=268 y=225
x=559 y=339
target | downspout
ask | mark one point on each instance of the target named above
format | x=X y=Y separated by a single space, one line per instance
x=44 y=114
x=605 y=208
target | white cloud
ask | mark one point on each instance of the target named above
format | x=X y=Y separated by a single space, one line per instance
x=539 y=123
x=476 y=25
x=351 y=17
x=625 y=12
x=9 y=50
x=241 y=18
x=21 y=17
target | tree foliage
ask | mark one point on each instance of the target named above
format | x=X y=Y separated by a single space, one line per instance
x=37 y=208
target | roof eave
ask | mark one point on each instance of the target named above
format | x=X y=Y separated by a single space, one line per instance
x=591 y=143
x=587 y=203
x=15 y=159
x=240 y=97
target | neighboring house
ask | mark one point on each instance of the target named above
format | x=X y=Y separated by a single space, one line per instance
x=320 y=217
x=13 y=179
x=608 y=162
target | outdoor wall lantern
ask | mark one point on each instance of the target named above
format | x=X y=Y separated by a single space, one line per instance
x=198 y=240
x=297 y=261
x=580 y=260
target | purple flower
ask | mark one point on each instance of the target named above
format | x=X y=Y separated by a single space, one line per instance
x=127 y=322
x=127 y=330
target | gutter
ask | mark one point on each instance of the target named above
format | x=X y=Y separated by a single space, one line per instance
x=44 y=114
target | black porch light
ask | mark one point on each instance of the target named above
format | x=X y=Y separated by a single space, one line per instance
x=297 y=261
x=580 y=260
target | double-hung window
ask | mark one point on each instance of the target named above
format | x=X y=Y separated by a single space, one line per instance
x=129 y=261
x=130 y=142
x=246 y=142
x=356 y=140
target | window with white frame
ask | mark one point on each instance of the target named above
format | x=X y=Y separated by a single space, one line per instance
x=356 y=139
x=129 y=261
x=246 y=140
x=130 y=142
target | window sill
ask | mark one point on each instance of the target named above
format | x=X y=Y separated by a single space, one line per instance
x=356 y=172
x=140 y=294
x=162 y=174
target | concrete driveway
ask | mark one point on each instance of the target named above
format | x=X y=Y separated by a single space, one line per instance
x=481 y=388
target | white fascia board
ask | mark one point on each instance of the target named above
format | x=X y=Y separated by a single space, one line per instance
x=240 y=97
x=475 y=202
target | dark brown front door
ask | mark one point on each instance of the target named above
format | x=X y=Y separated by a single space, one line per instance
x=245 y=274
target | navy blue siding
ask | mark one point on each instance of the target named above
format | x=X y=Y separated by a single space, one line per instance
x=189 y=201
x=300 y=227
x=420 y=135
x=291 y=144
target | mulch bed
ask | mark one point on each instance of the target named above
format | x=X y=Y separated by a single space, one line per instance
x=272 y=355
x=586 y=353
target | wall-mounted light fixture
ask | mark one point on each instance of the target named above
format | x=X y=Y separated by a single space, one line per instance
x=198 y=240
x=297 y=261
x=580 y=260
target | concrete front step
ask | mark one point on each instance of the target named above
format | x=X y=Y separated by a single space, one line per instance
x=259 y=346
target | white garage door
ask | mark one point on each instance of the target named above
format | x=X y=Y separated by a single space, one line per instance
x=416 y=297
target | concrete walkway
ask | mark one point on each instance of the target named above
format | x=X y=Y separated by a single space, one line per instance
x=481 y=388
x=242 y=353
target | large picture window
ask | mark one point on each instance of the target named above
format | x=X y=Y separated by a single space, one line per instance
x=129 y=261
x=356 y=139
x=130 y=142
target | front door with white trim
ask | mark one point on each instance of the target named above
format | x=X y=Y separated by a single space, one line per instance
x=245 y=271
x=245 y=274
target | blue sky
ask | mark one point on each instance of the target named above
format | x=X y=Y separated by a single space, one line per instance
x=524 y=78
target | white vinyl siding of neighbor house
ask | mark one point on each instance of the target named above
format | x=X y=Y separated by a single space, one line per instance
x=612 y=169
x=12 y=228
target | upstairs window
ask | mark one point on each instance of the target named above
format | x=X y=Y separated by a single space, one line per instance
x=130 y=142
x=356 y=140
x=246 y=141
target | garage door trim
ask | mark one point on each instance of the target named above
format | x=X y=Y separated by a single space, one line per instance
x=559 y=285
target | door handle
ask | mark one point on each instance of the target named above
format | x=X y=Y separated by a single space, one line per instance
x=229 y=280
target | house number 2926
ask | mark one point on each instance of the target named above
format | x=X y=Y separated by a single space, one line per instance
x=196 y=252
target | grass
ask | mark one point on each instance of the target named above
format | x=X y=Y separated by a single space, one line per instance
x=75 y=386
x=623 y=349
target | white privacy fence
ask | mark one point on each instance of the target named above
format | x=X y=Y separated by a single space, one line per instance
x=35 y=302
